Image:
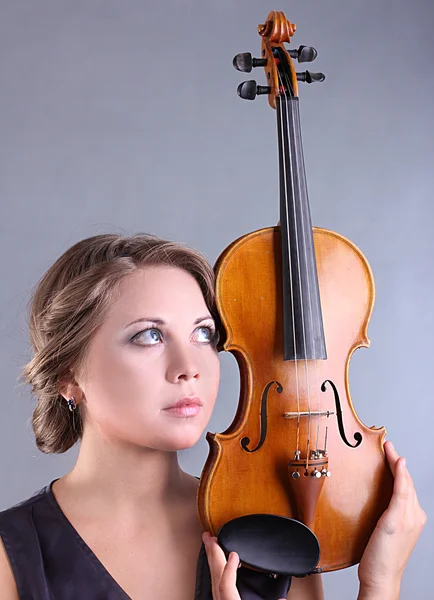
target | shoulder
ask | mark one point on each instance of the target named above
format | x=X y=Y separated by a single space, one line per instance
x=14 y=525
x=7 y=580
x=18 y=512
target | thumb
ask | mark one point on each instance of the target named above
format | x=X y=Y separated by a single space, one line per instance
x=227 y=586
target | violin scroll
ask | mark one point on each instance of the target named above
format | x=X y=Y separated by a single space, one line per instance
x=282 y=79
x=277 y=29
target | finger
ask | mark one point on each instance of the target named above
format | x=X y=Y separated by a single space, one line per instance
x=217 y=564
x=402 y=479
x=410 y=482
x=215 y=570
x=405 y=511
x=412 y=492
x=218 y=556
x=391 y=455
x=228 y=588
x=406 y=482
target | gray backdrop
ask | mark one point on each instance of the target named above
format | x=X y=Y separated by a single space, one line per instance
x=123 y=116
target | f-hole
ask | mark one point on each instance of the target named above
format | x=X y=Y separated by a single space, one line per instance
x=357 y=435
x=262 y=418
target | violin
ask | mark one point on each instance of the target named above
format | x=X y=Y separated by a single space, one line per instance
x=295 y=302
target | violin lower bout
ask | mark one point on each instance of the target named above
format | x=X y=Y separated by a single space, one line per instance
x=296 y=447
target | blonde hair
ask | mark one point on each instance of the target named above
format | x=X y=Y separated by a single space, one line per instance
x=68 y=306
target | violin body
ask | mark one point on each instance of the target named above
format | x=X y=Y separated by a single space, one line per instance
x=236 y=482
x=295 y=302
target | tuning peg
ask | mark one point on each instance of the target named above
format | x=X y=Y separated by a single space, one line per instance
x=309 y=77
x=244 y=62
x=248 y=90
x=304 y=54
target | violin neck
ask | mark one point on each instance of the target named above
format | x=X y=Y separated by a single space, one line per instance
x=303 y=331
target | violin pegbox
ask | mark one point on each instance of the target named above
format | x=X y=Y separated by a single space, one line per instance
x=282 y=79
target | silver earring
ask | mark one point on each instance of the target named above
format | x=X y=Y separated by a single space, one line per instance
x=72 y=405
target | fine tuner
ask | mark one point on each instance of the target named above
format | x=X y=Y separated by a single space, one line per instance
x=315 y=473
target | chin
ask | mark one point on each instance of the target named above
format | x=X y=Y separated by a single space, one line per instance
x=181 y=440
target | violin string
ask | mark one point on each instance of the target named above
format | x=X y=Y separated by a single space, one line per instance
x=302 y=180
x=281 y=133
x=284 y=109
x=318 y=312
x=289 y=87
x=313 y=339
x=296 y=180
x=321 y=366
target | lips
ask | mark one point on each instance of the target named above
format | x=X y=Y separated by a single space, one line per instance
x=185 y=408
x=187 y=401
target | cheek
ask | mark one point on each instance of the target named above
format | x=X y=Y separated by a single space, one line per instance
x=124 y=389
x=212 y=378
x=119 y=381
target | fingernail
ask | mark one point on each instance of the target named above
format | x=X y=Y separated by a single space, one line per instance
x=404 y=463
x=205 y=537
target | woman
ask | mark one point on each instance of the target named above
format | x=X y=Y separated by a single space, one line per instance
x=124 y=338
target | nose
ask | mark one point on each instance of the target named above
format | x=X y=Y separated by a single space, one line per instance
x=182 y=365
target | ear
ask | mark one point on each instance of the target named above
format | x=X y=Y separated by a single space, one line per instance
x=72 y=390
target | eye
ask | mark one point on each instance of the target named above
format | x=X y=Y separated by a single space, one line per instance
x=206 y=335
x=147 y=337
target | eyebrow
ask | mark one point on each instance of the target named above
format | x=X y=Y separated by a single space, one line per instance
x=158 y=321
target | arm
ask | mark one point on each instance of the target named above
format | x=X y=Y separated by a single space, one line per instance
x=367 y=594
x=8 y=586
x=307 y=588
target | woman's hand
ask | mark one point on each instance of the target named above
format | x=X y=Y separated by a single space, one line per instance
x=223 y=572
x=394 y=537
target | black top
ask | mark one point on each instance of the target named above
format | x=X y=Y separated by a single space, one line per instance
x=50 y=560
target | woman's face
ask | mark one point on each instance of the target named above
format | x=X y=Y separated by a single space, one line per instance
x=155 y=348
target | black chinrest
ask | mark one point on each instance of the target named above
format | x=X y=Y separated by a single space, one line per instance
x=271 y=544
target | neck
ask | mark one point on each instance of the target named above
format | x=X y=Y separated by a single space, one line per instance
x=126 y=476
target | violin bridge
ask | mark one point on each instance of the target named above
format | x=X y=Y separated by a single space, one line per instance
x=306 y=413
